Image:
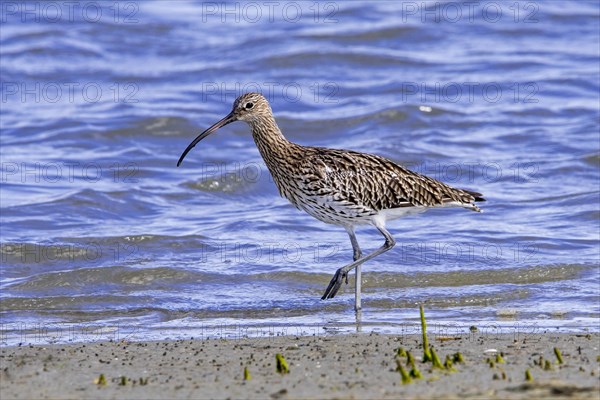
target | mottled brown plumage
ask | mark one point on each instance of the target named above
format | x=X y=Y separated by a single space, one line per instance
x=340 y=187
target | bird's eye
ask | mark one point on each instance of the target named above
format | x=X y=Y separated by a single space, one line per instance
x=249 y=106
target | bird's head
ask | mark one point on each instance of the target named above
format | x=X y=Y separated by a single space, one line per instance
x=248 y=107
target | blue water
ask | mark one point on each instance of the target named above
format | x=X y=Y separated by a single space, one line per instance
x=102 y=236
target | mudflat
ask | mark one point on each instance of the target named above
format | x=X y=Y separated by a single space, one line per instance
x=351 y=366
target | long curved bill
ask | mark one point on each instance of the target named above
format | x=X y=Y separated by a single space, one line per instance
x=227 y=120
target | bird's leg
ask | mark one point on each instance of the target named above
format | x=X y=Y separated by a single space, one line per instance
x=357 y=274
x=355 y=247
x=340 y=274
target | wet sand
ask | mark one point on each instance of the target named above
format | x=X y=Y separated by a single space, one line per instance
x=355 y=366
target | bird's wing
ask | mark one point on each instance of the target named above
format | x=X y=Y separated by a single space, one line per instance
x=372 y=181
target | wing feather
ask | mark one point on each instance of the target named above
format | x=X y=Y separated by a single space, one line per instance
x=373 y=182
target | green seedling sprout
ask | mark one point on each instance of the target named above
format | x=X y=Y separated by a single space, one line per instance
x=448 y=364
x=426 y=353
x=247 y=375
x=540 y=361
x=458 y=358
x=405 y=377
x=558 y=355
x=435 y=359
x=410 y=359
x=101 y=380
x=282 y=366
x=414 y=371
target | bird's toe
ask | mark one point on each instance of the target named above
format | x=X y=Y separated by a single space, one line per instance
x=335 y=284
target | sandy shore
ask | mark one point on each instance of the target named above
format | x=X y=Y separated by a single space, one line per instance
x=353 y=366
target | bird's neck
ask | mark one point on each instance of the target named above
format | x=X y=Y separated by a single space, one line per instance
x=272 y=145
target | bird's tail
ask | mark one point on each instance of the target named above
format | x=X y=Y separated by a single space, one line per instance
x=476 y=195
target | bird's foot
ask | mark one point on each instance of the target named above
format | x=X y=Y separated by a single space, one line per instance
x=335 y=284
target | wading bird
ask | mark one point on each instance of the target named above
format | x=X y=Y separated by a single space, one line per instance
x=340 y=187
